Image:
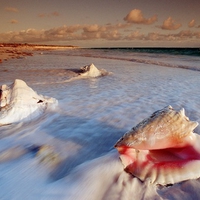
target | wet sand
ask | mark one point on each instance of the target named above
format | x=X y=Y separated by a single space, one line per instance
x=19 y=51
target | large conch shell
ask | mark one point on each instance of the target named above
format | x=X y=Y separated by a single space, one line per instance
x=19 y=102
x=162 y=148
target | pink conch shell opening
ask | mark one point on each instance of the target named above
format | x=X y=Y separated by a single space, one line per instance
x=162 y=148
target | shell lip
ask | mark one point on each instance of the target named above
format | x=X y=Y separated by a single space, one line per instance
x=117 y=144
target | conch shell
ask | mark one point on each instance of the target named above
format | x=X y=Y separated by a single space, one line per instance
x=92 y=71
x=19 y=102
x=162 y=148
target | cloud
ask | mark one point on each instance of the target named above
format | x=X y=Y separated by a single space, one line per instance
x=11 y=9
x=108 y=32
x=66 y=33
x=92 y=28
x=13 y=21
x=62 y=33
x=53 y=14
x=169 y=24
x=136 y=35
x=187 y=34
x=197 y=34
x=101 y=32
x=136 y=16
x=41 y=15
x=191 y=23
x=153 y=36
x=119 y=26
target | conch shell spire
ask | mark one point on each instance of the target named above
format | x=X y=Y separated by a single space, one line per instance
x=165 y=128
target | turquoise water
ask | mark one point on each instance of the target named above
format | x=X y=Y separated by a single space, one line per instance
x=169 y=51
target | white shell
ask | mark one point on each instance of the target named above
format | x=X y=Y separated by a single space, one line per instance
x=18 y=102
x=92 y=71
x=162 y=149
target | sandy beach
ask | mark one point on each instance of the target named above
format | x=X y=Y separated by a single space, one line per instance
x=20 y=51
x=68 y=151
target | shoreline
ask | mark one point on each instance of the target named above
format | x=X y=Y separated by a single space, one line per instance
x=19 y=51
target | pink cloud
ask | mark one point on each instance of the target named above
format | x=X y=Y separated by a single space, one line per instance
x=185 y=34
x=153 y=36
x=106 y=32
x=136 y=35
x=92 y=28
x=136 y=16
x=41 y=15
x=191 y=23
x=169 y=24
x=13 y=21
x=197 y=34
x=11 y=9
x=53 y=14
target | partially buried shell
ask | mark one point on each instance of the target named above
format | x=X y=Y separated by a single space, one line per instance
x=162 y=148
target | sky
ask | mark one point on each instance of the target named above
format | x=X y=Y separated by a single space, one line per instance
x=101 y=23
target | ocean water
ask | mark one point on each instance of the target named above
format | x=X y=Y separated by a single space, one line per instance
x=93 y=113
